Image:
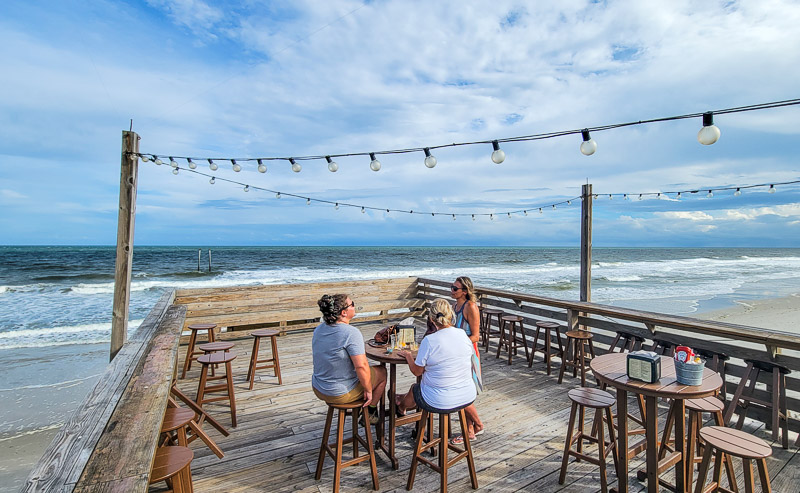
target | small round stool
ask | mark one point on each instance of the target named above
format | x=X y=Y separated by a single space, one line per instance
x=176 y=419
x=486 y=328
x=443 y=441
x=716 y=361
x=191 y=354
x=335 y=449
x=273 y=362
x=203 y=388
x=728 y=441
x=744 y=397
x=508 y=336
x=601 y=401
x=577 y=340
x=213 y=347
x=548 y=354
x=173 y=464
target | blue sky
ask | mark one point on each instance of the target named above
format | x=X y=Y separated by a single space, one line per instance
x=277 y=79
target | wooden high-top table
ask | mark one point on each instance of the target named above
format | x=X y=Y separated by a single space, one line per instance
x=611 y=370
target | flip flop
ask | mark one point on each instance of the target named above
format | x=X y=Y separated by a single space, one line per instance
x=459 y=439
x=480 y=432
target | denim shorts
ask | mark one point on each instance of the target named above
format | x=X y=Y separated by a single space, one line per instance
x=424 y=405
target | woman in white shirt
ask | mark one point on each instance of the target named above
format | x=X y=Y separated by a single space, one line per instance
x=444 y=362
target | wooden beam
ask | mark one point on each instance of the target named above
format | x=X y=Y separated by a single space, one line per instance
x=128 y=181
x=586 y=243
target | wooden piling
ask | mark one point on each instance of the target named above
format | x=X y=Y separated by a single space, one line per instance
x=128 y=182
x=586 y=243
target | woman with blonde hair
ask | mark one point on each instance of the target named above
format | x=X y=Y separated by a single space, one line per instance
x=444 y=362
x=468 y=318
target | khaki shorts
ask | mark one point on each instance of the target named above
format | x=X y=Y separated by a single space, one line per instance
x=354 y=395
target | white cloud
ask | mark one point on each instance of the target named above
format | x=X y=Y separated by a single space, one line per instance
x=688 y=215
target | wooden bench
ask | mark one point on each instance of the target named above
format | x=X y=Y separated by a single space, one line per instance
x=288 y=307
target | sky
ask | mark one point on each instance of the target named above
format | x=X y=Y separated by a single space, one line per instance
x=261 y=79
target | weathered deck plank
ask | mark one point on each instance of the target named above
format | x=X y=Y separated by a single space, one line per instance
x=525 y=412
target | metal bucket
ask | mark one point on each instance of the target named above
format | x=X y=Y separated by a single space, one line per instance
x=689 y=374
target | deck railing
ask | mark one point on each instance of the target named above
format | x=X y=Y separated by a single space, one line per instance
x=108 y=444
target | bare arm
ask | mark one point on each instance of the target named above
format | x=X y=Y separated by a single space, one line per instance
x=362 y=371
x=473 y=317
x=415 y=369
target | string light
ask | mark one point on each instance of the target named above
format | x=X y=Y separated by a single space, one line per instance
x=430 y=160
x=640 y=196
x=308 y=201
x=278 y=195
x=374 y=164
x=174 y=171
x=192 y=164
x=336 y=206
x=588 y=146
x=332 y=166
x=709 y=133
x=473 y=217
x=541 y=211
x=454 y=216
x=247 y=188
x=262 y=168
x=212 y=165
x=295 y=165
x=491 y=217
x=610 y=197
x=738 y=192
x=362 y=210
x=157 y=160
x=172 y=162
x=771 y=189
x=677 y=196
x=498 y=156
x=236 y=166
x=212 y=180
x=526 y=213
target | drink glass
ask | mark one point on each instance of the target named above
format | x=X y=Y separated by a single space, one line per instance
x=393 y=341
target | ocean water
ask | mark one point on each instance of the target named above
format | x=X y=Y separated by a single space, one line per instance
x=55 y=302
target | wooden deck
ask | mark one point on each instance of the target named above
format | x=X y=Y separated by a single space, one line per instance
x=525 y=411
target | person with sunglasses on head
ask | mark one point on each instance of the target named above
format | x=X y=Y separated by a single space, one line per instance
x=342 y=373
x=467 y=318
x=444 y=361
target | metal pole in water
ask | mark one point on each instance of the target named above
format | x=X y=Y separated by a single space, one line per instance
x=209 y=260
x=198 y=259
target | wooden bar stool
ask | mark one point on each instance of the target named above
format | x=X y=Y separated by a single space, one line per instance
x=203 y=388
x=443 y=442
x=627 y=342
x=173 y=465
x=744 y=397
x=601 y=401
x=510 y=324
x=577 y=340
x=213 y=347
x=716 y=361
x=548 y=353
x=695 y=408
x=728 y=441
x=176 y=419
x=486 y=327
x=335 y=449
x=273 y=362
x=191 y=354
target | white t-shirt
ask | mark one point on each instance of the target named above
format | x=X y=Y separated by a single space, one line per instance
x=446 y=355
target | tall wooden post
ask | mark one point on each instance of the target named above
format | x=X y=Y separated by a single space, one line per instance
x=129 y=178
x=586 y=243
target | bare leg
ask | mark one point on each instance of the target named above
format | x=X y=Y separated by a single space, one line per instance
x=378 y=386
x=406 y=401
x=474 y=423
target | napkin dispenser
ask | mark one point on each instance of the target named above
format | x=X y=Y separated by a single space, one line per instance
x=644 y=366
x=406 y=332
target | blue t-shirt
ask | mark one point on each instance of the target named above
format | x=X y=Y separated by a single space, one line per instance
x=331 y=348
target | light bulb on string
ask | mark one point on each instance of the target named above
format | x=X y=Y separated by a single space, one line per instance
x=771 y=189
x=157 y=160
x=491 y=217
x=710 y=194
x=174 y=171
x=569 y=202
x=430 y=160
x=624 y=196
x=658 y=195
x=433 y=214
x=262 y=168
x=454 y=217
x=308 y=201
x=588 y=146
x=332 y=166
x=172 y=162
x=678 y=196
x=498 y=156
x=212 y=180
x=526 y=213
x=236 y=166
x=278 y=195
x=144 y=158
x=336 y=206
x=363 y=211
x=212 y=165
x=737 y=193
x=509 y=215
x=473 y=217
x=192 y=164
x=541 y=211
x=554 y=206
x=709 y=133
x=295 y=165
x=374 y=164
x=247 y=188
x=640 y=196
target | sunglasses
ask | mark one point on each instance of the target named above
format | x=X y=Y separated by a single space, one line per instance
x=352 y=303
x=453 y=287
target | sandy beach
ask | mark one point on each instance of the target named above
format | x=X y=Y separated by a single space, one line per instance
x=23 y=443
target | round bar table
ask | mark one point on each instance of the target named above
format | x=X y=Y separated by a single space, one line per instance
x=611 y=369
x=392 y=359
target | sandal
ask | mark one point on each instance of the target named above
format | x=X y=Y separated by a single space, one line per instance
x=459 y=439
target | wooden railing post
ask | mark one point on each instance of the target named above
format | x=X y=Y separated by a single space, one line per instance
x=129 y=177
